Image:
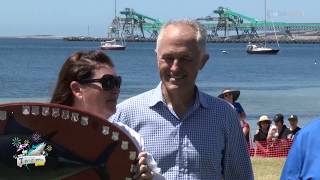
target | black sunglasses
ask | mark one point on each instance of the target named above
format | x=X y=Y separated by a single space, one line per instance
x=107 y=81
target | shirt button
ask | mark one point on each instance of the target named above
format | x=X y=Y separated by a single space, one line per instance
x=186 y=171
x=182 y=170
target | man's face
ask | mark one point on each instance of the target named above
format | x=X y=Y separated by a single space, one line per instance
x=179 y=58
x=279 y=124
x=293 y=122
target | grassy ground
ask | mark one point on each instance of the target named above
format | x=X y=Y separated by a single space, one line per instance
x=267 y=168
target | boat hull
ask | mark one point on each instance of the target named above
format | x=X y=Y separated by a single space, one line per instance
x=271 y=51
x=113 y=48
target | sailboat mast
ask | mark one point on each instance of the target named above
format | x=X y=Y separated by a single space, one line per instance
x=265 y=23
x=116 y=20
x=115 y=8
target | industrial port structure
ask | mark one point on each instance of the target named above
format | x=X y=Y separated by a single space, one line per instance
x=226 y=24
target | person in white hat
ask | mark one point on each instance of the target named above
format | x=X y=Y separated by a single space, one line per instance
x=264 y=125
x=260 y=137
x=231 y=96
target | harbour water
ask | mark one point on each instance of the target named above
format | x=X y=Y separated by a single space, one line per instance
x=287 y=83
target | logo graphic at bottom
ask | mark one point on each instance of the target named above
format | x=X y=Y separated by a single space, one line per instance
x=31 y=152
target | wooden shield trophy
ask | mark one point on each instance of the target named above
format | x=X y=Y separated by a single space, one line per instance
x=50 y=141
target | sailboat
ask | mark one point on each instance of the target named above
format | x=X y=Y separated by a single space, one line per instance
x=114 y=43
x=255 y=49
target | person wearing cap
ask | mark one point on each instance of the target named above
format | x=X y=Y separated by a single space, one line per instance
x=294 y=128
x=303 y=160
x=231 y=96
x=260 y=136
x=278 y=130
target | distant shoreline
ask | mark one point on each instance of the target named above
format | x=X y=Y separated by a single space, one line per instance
x=33 y=37
x=296 y=39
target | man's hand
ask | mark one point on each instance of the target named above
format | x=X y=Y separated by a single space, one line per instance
x=144 y=172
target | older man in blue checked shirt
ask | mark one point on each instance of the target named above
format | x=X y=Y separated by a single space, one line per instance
x=191 y=135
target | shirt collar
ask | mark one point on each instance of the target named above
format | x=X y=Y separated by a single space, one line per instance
x=158 y=97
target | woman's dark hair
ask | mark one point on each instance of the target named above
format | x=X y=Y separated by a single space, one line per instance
x=78 y=66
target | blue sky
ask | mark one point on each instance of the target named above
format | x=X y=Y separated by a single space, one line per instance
x=72 y=17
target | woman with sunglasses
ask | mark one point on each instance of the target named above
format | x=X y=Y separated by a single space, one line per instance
x=88 y=81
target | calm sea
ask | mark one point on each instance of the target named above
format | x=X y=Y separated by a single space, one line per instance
x=285 y=83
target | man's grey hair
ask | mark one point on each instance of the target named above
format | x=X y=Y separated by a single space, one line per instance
x=201 y=33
